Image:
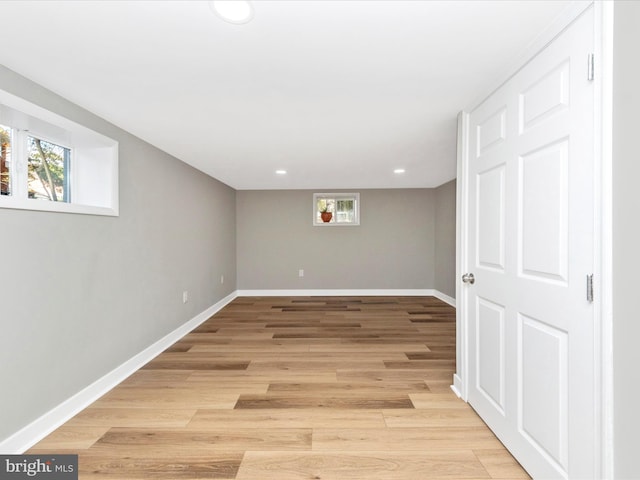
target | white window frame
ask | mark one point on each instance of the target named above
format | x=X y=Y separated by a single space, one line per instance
x=337 y=196
x=93 y=167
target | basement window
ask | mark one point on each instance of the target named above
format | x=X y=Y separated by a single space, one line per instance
x=50 y=163
x=336 y=209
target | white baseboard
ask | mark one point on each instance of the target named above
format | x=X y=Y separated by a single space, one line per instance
x=445 y=298
x=47 y=423
x=457 y=386
x=425 y=292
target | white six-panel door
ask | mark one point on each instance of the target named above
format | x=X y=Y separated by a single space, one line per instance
x=530 y=241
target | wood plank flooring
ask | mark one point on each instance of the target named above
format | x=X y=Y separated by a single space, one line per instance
x=294 y=388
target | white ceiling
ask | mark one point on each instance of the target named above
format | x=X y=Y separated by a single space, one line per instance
x=338 y=93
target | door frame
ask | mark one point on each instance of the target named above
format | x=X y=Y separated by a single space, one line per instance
x=603 y=241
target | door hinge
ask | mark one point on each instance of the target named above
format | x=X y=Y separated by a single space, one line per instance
x=590 y=67
x=590 y=288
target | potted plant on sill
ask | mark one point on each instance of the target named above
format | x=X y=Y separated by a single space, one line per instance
x=325 y=214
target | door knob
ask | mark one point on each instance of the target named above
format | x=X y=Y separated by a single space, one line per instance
x=468 y=278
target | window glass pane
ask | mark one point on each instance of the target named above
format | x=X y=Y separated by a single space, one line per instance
x=48 y=171
x=345 y=211
x=5 y=160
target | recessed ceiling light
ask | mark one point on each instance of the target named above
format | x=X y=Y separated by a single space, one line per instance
x=281 y=172
x=399 y=170
x=233 y=11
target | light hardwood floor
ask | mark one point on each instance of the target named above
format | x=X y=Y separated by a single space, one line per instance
x=294 y=388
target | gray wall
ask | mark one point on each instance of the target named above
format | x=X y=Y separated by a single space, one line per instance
x=394 y=246
x=81 y=294
x=445 y=240
x=626 y=239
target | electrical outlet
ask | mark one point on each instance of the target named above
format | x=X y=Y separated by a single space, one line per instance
x=185 y=296
x=301 y=273
x=221 y=278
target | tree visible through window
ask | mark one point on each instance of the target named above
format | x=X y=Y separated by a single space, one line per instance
x=5 y=160
x=48 y=170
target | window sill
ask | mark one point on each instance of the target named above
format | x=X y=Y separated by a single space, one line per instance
x=46 y=206
x=336 y=224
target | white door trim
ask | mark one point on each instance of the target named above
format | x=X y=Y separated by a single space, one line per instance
x=460 y=378
x=603 y=229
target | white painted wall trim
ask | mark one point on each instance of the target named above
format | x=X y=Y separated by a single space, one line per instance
x=445 y=298
x=47 y=423
x=462 y=263
x=427 y=292
x=604 y=30
x=457 y=385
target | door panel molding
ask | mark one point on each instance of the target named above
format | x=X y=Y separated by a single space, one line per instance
x=546 y=344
